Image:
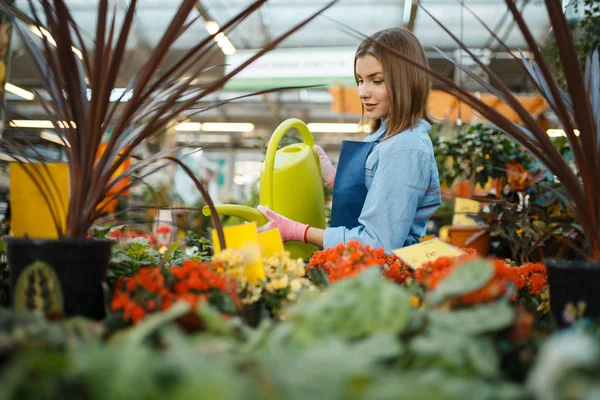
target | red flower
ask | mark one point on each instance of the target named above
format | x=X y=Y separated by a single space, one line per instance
x=163 y=229
x=522 y=331
x=537 y=283
x=119 y=301
x=347 y=260
x=145 y=292
x=505 y=277
x=116 y=234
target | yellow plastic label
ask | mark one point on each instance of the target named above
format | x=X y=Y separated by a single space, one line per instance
x=270 y=242
x=245 y=239
x=30 y=213
x=418 y=254
x=464 y=211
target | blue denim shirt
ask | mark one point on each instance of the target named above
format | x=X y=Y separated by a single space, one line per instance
x=403 y=192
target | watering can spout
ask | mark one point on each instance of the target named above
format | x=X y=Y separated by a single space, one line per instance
x=246 y=213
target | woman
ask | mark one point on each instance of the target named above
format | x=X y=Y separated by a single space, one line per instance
x=385 y=188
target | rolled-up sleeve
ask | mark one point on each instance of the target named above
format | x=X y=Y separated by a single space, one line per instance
x=398 y=187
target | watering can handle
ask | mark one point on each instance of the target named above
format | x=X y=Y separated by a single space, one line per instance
x=269 y=166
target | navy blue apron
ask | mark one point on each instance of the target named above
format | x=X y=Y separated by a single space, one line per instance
x=349 y=189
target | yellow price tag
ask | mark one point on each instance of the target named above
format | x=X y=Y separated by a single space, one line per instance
x=464 y=211
x=270 y=242
x=245 y=239
x=418 y=254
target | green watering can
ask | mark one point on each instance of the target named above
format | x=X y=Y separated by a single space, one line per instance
x=290 y=185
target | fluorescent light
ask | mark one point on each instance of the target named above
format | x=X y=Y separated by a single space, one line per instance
x=227 y=127
x=53 y=137
x=406 y=12
x=39 y=124
x=115 y=94
x=560 y=132
x=77 y=52
x=320 y=127
x=222 y=41
x=6 y=157
x=239 y=180
x=226 y=46
x=43 y=33
x=188 y=127
x=212 y=27
x=31 y=124
x=27 y=95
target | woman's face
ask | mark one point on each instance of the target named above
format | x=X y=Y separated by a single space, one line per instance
x=372 y=89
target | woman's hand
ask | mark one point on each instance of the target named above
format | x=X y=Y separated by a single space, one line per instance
x=327 y=169
x=289 y=230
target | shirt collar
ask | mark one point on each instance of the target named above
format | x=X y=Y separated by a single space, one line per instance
x=382 y=128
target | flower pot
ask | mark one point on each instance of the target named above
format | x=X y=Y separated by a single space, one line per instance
x=572 y=281
x=475 y=237
x=61 y=276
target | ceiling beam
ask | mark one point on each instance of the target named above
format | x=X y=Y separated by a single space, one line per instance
x=414 y=7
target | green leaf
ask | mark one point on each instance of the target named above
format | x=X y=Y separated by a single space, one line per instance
x=213 y=320
x=484 y=357
x=467 y=278
x=475 y=320
x=353 y=308
x=318 y=276
x=135 y=335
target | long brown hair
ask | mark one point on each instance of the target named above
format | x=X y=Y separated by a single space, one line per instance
x=408 y=86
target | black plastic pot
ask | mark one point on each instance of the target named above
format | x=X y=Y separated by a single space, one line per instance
x=572 y=281
x=79 y=265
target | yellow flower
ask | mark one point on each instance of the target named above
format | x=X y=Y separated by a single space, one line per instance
x=162 y=249
x=295 y=285
x=415 y=301
x=292 y=296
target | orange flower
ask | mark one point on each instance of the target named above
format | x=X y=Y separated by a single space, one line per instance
x=179 y=272
x=131 y=285
x=537 y=283
x=181 y=287
x=517 y=176
x=522 y=330
x=137 y=313
x=151 y=305
x=119 y=301
x=144 y=292
x=505 y=277
x=347 y=260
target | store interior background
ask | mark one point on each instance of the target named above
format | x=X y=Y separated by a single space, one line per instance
x=319 y=54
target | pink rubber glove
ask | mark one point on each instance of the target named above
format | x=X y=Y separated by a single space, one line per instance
x=289 y=230
x=327 y=169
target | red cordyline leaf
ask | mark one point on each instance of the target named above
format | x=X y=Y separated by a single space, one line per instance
x=156 y=101
x=577 y=110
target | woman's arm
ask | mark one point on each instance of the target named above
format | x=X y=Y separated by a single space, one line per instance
x=315 y=236
x=399 y=184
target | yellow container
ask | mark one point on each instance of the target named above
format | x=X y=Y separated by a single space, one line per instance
x=290 y=185
x=31 y=215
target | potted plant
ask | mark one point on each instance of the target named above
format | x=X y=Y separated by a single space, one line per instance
x=477 y=156
x=577 y=111
x=65 y=275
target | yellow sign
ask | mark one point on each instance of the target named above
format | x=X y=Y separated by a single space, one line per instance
x=245 y=239
x=464 y=211
x=418 y=254
x=31 y=215
x=270 y=242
